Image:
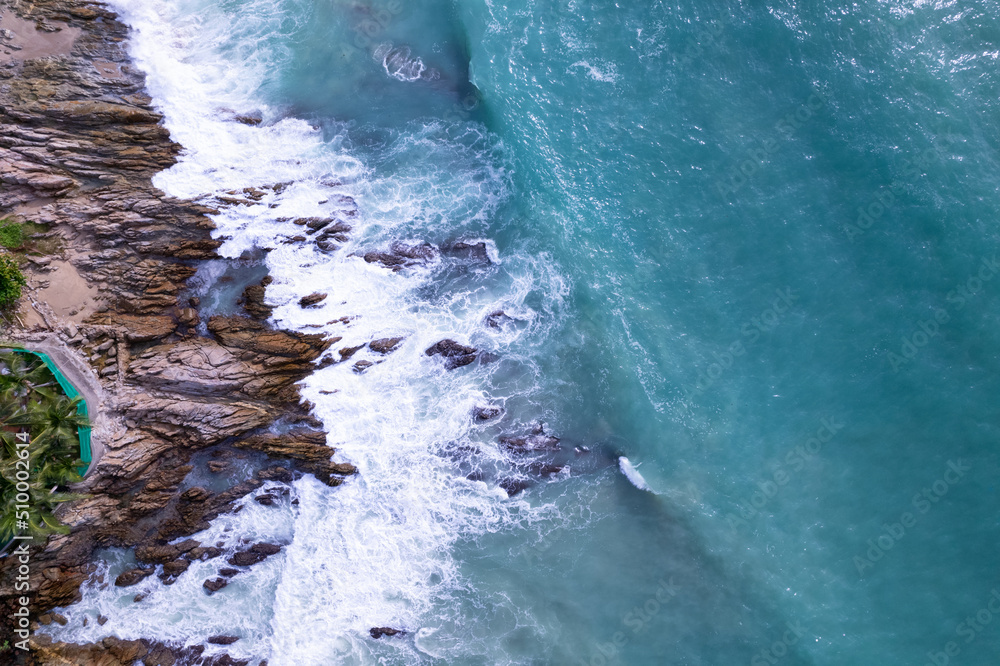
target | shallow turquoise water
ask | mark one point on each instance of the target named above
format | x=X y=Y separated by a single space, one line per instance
x=759 y=248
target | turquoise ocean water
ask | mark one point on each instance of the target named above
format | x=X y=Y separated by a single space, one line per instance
x=749 y=251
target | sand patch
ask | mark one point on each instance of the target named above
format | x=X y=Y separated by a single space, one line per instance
x=21 y=40
x=68 y=295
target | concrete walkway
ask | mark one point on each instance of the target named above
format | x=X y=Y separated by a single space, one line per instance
x=83 y=377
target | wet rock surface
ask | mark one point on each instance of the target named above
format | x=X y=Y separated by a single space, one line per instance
x=403 y=255
x=456 y=355
x=82 y=148
x=379 y=632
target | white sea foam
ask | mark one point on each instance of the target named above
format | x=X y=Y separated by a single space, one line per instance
x=633 y=475
x=377 y=551
x=604 y=72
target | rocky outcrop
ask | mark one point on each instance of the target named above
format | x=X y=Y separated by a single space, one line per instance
x=379 y=632
x=403 y=255
x=307 y=447
x=312 y=299
x=82 y=146
x=455 y=354
x=384 y=345
x=253 y=300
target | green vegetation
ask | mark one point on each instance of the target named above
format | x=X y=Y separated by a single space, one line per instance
x=11 y=234
x=11 y=281
x=27 y=237
x=39 y=446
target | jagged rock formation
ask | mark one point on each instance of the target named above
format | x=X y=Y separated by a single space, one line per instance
x=80 y=142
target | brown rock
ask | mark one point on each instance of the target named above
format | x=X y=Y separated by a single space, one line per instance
x=379 y=632
x=384 y=345
x=132 y=576
x=215 y=584
x=253 y=300
x=311 y=299
x=176 y=568
x=307 y=447
x=126 y=652
x=222 y=640
x=487 y=413
x=455 y=354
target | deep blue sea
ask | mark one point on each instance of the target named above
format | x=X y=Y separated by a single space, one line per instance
x=747 y=259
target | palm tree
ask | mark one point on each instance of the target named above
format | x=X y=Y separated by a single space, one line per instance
x=39 y=507
x=30 y=403
x=22 y=374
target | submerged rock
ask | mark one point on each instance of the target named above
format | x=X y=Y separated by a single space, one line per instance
x=472 y=252
x=222 y=640
x=487 y=413
x=498 y=318
x=514 y=486
x=530 y=443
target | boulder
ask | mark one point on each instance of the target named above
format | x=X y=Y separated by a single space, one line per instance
x=282 y=474
x=257 y=553
x=497 y=319
x=127 y=652
x=176 y=568
x=379 y=632
x=384 y=345
x=348 y=352
x=530 y=443
x=132 y=576
x=456 y=355
x=402 y=255
x=253 y=301
x=487 y=413
x=222 y=640
x=514 y=486
x=473 y=252
x=312 y=299
x=215 y=584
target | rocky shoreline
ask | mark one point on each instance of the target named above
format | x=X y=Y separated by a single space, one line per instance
x=79 y=145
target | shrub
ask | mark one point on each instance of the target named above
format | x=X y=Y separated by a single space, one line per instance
x=11 y=281
x=11 y=234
